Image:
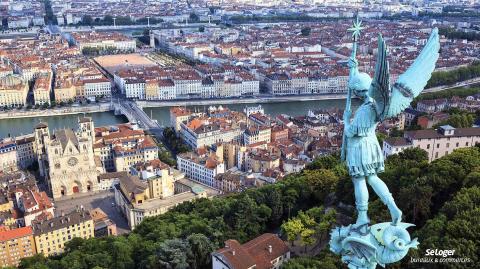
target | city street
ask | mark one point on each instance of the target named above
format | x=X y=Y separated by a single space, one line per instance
x=104 y=200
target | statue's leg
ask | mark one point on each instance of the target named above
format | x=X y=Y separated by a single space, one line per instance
x=384 y=194
x=361 y=200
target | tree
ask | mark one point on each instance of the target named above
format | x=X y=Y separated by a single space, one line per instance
x=381 y=137
x=170 y=254
x=194 y=17
x=275 y=203
x=108 y=20
x=290 y=197
x=325 y=260
x=307 y=237
x=121 y=252
x=306 y=31
x=200 y=248
x=182 y=237
x=417 y=197
x=292 y=228
x=87 y=20
x=323 y=182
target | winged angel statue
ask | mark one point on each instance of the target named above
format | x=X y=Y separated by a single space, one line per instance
x=362 y=246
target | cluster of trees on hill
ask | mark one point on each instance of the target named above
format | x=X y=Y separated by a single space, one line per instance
x=451 y=33
x=460 y=92
x=94 y=51
x=459 y=118
x=441 y=198
x=278 y=18
x=119 y=20
x=451 y=77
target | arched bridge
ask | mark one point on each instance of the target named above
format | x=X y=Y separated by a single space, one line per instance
x=134 y=113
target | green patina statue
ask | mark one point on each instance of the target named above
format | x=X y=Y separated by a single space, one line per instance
x=363 y=246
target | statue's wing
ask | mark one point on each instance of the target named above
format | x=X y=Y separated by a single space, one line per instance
x=380 y=88
x=359 y=247
x=411 y=83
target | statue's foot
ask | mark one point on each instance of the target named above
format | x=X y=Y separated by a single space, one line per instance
x=362 y=222
x=396 y=214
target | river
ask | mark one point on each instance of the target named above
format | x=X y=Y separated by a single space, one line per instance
x=15 y=127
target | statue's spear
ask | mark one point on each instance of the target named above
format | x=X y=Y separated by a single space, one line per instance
x=355 y=29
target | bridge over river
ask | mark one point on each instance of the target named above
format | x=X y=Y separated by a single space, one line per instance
x=135 y=113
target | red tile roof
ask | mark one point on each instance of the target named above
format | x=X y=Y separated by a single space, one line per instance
x=15 y=233
x=259 y=251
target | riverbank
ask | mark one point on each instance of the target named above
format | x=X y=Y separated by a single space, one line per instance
x=105 y=107
x=245 y=100
x=265 y=99
x=34 y=113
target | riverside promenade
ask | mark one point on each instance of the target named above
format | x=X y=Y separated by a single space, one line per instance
x=67 y=110
x=104 y=107
x=261 y=99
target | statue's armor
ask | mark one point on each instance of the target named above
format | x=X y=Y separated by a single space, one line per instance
x=364 y=155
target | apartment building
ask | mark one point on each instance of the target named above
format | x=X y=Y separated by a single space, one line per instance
x=25 y=151
x=42 y=89
x=16 y=244
x=201 y=168
x=32 y=204
x=289 y=84
x=279 y=133
x=259 y=161
x=256 y=134
x=394 y=145
x=52 y=235
x=200 y=133
x=64 y=91
x=437 y=143
x=13 y=91
x=134 y=88
x=98 y=87
x=122 y=146
x=160 y=89
x=179 y=115
x=8 y=155
x=104 y=40
x=154 y=193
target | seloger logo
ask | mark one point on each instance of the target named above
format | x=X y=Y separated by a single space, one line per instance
x=440 y=256
x=440 y=252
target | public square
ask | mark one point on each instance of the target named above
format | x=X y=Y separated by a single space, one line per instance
x=104 y=200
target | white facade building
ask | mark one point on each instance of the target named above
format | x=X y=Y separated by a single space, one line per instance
x=200 y=168
x=97 y=87
x=437 y=143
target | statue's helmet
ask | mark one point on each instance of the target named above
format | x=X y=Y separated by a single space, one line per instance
x=360 y=81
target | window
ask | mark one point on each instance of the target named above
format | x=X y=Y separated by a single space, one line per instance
x=438 y=145
x=448 y=145
x=457 y=144
x=466 y=144
x=436 y=154
x=428 y=146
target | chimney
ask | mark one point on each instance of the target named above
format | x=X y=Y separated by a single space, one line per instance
x=270 y=248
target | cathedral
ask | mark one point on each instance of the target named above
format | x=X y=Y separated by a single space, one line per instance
x=66 y=158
